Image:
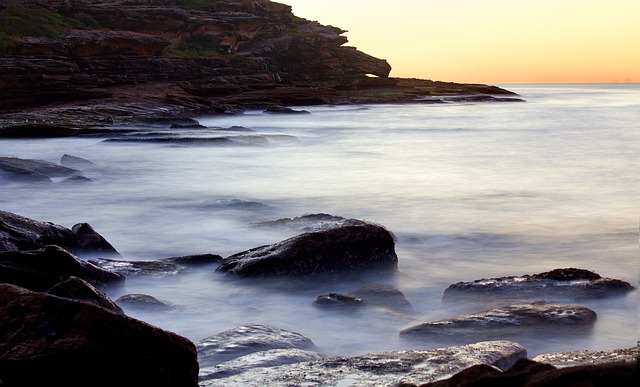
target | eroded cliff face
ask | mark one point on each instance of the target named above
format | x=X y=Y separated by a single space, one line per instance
x=197 y=54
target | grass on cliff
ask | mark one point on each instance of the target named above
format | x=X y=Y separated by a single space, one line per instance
x=18 y=20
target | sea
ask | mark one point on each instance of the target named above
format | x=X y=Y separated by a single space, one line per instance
x=469 y=190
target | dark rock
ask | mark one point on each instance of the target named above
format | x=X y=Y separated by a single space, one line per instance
x=130 y=268
x=89 y=242
x=336 y=300
x=565 y=283
x=380 y=369
x=41 y=269
x=248 y=339
x=311 y=222
x=348 y=250
x=284 y=110
x=77 y=179
x=187 y=126
x=75 y=162
x=36 y=130
x=49 y=340
x=21 y=233
x=385 y=296
x=511 y=319
x=143 y=301
x=534 y=374
x=80 y=290
x=194 y=260
x=33 y=170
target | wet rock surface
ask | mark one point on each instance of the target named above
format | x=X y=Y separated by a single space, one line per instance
x=348 y=250
x=21 y=233
x=380 y=369
x=558 y=283
x=43 y=268
x=248 y=339
x=511 y=319
x=142 y=301
x=80 y=290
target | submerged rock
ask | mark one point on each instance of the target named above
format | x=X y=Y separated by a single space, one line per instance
x=311 y=222
x=75 y=162
x=347 y=250
x=385 y=296
x=49 y=340
x=248 y=339
x=41 y=269
x=507 y=320
x=21 y=233
x=29 y=170
x=131 y=268
x=144 y=301
x=563 y=283
x=336 y=300
x=380 y=369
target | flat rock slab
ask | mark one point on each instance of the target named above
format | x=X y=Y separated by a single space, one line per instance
x=33 y=170
x=380 y=369
x=559 y=283
x=586 y=357
x=508 y=320
x=346 y=250
x=133 y=268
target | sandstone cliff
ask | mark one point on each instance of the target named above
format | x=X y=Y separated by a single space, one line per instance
x=125 y=57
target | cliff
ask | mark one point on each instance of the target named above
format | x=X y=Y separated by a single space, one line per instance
x=125 y=57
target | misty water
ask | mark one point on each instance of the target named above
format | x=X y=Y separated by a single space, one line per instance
x=470 y=191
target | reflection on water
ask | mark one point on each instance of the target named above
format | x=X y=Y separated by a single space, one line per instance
x=470 y=191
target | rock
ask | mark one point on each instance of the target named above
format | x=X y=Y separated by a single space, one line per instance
x=348 y=250
x=75 y=162
x=49 y=340
x=142 y=301
x=385 y=296
x=194 y=260
x=130 y=268
x=21 y=233
x=508 y=320
x=284 y=110
x=311 y=222
x=576 y=358
x=33 y=170
x=336 y=300
x=39 y=270
x=534 y=374
x=569 y=283
x=248 y=339
x=268 y=358
x=380 y=369
x=80 y=290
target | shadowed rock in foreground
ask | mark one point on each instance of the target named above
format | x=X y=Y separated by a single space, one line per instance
x=49 y=340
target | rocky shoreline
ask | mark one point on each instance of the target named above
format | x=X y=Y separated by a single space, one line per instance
x=57 y=321
x=96 y=64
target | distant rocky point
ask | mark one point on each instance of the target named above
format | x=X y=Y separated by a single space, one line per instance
x=82 y=62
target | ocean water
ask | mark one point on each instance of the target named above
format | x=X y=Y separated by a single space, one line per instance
x=469 y=190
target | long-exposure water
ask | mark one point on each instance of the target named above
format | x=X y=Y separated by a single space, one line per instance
x=469 y=190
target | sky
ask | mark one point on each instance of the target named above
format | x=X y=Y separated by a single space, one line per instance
x=491 y=41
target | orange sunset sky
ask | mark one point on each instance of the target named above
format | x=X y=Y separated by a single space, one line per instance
x=492 y=41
